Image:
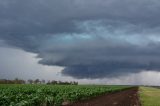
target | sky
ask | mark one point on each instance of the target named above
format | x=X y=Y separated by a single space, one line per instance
x=93 y=41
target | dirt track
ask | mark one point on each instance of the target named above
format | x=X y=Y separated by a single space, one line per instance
x=124 y=98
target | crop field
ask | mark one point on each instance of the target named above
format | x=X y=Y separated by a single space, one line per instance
x=77 y=95
x=51 y=95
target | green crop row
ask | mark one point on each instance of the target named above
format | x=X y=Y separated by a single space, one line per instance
x=50 y=95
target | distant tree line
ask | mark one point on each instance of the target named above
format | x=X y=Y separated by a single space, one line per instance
x=37 y=81
x=15 y=81
x=53 y=82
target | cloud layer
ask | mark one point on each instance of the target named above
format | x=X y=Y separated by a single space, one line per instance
x=92 y=39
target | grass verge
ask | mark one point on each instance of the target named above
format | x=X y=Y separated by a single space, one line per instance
x=149 y=96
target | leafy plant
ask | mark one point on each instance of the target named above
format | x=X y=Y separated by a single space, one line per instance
x=50 y=95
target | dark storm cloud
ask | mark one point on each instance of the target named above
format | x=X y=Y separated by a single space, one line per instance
x=92 y=39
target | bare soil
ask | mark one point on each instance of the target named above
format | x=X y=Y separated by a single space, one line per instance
x=127 y=97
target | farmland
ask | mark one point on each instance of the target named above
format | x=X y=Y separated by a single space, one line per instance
x=77 y=95
x=128 y=97
x=49 y=95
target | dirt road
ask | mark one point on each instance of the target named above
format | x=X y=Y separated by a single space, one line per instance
x=124 y=98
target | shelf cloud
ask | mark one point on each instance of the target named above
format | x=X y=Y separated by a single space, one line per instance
x=91 y=39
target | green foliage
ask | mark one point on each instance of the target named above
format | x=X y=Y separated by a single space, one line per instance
x=50 y=95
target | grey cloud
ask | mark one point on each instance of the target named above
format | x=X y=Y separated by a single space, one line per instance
x=109 y=70
x=52 y=16
x=92 y=39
